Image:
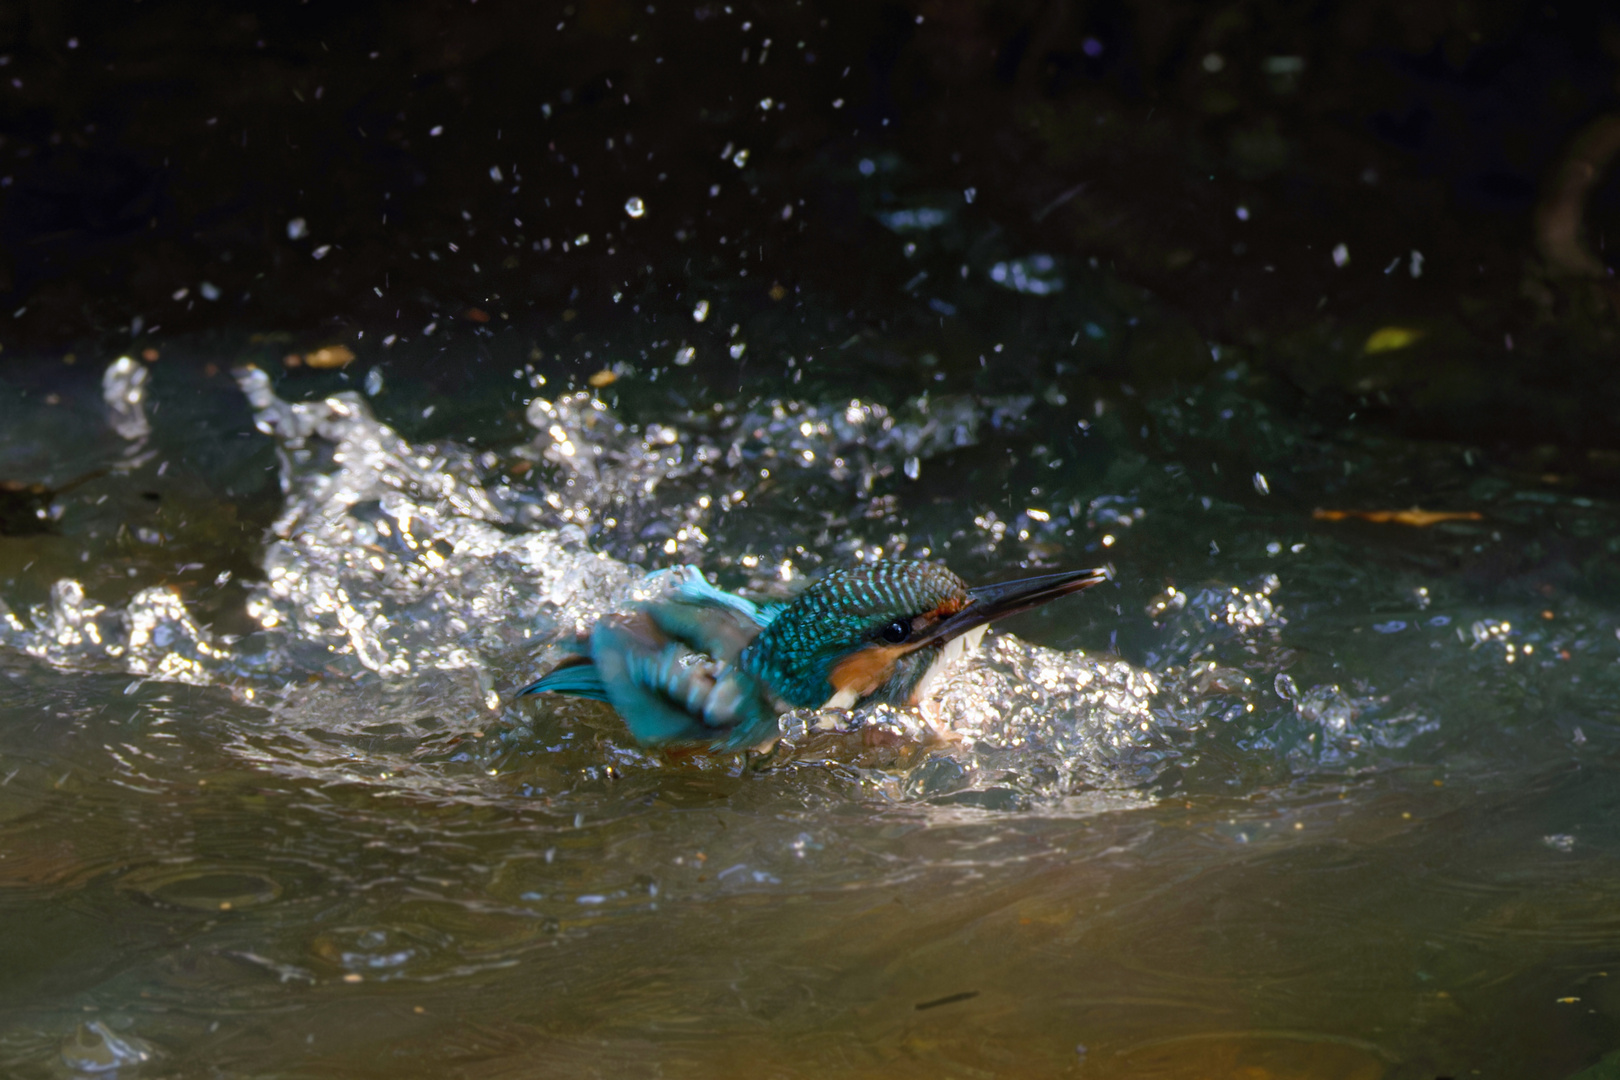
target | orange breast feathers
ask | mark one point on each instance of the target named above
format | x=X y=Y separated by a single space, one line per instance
x=864 y=670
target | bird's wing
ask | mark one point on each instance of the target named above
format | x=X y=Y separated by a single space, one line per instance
x=717 y=630
x=688 y=585
x=668 y=693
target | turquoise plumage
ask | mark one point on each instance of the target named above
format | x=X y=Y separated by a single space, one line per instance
x=702 y=667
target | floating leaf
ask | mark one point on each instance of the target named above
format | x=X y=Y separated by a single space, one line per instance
x=1390 y=338
x=1414 y=516
x=333 y=356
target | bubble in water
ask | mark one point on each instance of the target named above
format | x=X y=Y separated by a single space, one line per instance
x=634 y=206
x=1327 y=706
x=701 y=311
x=297 y=229
x=1261 y=485
x=1285 y=687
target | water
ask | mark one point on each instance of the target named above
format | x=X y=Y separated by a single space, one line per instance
x=1294 y=796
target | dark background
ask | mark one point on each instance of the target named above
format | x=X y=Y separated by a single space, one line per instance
x=151 y=147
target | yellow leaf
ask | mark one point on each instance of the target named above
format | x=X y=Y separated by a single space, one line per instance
x=1390 y=338
x=1419 y=518
x=330 y=357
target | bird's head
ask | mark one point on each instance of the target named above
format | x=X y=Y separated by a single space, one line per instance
x=876 y=632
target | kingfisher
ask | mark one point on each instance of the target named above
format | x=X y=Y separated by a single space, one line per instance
x=700 y=667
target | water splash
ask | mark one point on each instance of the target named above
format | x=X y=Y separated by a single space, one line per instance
x=123 y=388
x=153 y=635
x=670 y=490
x=411 y=580
x=395 y=557
x=94 y=1049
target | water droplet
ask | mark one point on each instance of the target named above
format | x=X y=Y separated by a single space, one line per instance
x=123 y=388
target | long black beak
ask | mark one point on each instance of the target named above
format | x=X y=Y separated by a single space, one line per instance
x=989 y=602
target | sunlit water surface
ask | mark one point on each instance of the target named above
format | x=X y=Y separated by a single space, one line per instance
x=269 y=808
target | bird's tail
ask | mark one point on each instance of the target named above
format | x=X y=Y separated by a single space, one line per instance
x=575 y=676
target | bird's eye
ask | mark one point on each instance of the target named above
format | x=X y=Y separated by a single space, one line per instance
x=895 y=632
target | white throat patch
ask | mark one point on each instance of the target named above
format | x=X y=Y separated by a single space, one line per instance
x=954 y=650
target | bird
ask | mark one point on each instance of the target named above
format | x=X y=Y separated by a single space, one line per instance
x=699 y=667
